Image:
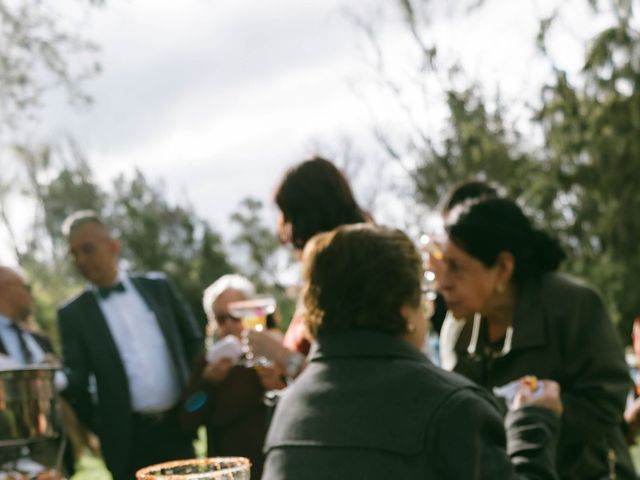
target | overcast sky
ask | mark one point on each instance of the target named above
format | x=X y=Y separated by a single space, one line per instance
x=217 y=98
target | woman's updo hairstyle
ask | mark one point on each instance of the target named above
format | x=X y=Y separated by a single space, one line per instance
x=484 y=228
x=359 y=277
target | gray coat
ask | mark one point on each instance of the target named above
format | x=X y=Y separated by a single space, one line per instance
x=561 y=331
x=370 y=406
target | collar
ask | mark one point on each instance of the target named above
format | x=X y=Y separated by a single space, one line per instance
x=4 y=321
x=475 y=336
x=528 y=328
x=364 y=343
x=120 y=277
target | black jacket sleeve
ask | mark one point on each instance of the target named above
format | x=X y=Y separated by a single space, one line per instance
x=468 y=440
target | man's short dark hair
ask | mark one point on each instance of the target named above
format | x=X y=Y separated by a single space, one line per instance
x=79 y=218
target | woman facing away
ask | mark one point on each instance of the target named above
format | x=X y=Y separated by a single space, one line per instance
x=498 y=276
x=313 y=196
x=369 y=404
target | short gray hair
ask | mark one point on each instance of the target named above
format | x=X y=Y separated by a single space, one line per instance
x=226 y=282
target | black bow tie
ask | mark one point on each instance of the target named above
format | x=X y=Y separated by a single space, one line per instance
x=104 y=292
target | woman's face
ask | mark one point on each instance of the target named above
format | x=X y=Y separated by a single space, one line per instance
x=284 y=229
x=466 y=284
x=285 y=234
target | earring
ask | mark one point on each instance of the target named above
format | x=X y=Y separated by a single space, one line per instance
x=500 y=288
x=410 y=327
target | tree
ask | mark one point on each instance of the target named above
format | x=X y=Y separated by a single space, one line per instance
x=258 y=241
x=170 y=238
x=52 y=182
x=591 y=127
x=36 y=53
x=155 y=234
x=264 y=256
x=576 y=181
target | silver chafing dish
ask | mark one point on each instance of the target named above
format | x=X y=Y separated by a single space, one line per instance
x=28 y=406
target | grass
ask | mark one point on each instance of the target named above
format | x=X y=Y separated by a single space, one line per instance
x=93 y=468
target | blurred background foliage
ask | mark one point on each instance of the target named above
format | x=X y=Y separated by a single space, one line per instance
x=579 y=180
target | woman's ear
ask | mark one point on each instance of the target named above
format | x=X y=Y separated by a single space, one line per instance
x=406 y=312
x=505 y=264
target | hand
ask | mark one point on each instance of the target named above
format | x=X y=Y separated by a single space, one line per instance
x=264 y=345
x=216 y=372
x=549 y=398
x=270 y=377
x=631 y=417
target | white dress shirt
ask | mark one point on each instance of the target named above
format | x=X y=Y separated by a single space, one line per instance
x=11 y=343
x=153 y=380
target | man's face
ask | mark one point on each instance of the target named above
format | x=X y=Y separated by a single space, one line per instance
x=227 y=324
x=16 y=293
x=95 y=254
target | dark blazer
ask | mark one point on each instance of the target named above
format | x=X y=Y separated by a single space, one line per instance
x=233 y=412
x=89 y=349
x=561 y=331
x=370 y=406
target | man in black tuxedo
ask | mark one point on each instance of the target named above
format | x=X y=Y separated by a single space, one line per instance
x=136 y=338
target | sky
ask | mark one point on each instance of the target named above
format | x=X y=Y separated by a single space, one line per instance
x=216 y=99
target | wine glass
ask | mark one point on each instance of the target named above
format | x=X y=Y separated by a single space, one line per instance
x=220 y=468
x=253 y=315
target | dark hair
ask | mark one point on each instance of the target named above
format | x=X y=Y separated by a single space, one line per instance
x=471 y=189
x=359 y=277
x=487 y=227
x=314 y=196
x=79 y=218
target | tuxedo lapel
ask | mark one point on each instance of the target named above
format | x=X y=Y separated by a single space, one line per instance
x=150 y=296
x=43 y=341
x=102 y=343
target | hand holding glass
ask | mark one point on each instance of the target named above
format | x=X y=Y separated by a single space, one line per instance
x=253 y=315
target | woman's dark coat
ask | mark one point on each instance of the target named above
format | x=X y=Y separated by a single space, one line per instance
x=561 y=331
x=370 y=406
